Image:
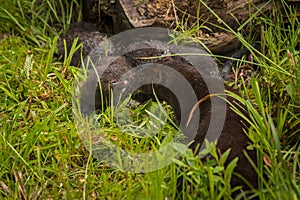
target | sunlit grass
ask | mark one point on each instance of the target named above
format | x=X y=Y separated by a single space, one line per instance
x=43 y=157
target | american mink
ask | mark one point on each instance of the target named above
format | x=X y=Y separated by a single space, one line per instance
x=232 y=135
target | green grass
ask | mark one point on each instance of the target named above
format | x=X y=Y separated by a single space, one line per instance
x=42 y=156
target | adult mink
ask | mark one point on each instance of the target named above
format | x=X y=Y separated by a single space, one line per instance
x=232 y=135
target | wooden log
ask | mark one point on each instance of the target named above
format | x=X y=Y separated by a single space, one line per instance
x=120 y=15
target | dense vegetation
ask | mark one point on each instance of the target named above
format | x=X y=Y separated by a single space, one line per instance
x=42 y=155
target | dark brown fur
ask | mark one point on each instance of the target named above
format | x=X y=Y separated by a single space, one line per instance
x=232 y=135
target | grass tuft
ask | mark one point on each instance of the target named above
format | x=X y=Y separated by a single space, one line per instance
x=42 y=156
